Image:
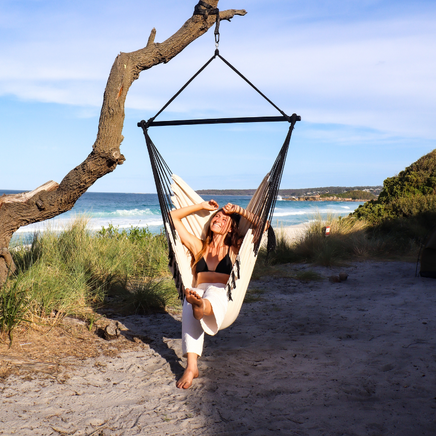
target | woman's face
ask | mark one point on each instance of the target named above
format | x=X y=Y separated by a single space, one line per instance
x=221 y=223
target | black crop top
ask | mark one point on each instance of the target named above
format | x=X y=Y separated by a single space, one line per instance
x=224 y=266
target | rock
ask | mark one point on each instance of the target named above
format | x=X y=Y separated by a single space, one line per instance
x=111 y=331
x=343 y=277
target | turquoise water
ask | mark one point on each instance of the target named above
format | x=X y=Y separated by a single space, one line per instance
x=142 y=210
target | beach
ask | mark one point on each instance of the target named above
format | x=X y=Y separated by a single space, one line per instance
x=356 y=358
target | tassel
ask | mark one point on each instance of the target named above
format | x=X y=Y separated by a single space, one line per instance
x=271 y=245
x=229 y=292
x=238 y=267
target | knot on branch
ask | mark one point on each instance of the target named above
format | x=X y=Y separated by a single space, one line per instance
x=115 y=157
x=4 y=252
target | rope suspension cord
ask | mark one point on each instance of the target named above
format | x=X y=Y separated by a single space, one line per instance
x=208 y=10
x=266 y=209
x=151 y=121
x=162 y=178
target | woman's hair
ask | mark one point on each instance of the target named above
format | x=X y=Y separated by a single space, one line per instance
x=232 y=238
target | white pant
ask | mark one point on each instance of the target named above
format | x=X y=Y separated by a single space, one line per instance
x=192 y=329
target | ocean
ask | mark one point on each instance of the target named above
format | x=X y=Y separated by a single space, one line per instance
x=142 y=210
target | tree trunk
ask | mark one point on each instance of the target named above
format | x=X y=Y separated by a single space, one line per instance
x=52 y=198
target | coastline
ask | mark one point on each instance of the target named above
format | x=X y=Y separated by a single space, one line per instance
x=325 y=199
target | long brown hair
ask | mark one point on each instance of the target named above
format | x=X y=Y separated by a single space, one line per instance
x=232 y=238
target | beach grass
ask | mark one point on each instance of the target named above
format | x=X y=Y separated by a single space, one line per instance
x=349 y=239
x=73 y=271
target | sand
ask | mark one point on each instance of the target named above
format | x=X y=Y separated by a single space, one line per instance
x=352 y=358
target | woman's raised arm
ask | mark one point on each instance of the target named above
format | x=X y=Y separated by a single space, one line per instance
x=233 y=208
x=193 y=243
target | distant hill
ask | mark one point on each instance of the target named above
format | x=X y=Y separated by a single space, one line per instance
x=333 y=190
x=354 y=195
x=411 y=193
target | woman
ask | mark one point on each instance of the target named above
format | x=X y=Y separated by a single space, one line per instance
x=205 y=306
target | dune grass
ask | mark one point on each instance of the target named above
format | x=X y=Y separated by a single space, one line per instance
x=349 y=239
x=73 y=271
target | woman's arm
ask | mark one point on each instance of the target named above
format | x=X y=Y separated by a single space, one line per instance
x=193 y=243
x=233 y=208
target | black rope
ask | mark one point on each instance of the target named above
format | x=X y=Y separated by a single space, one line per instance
x=148 y=123
x=266 y=208
x=246 y=80
x=162 y=178
x=151 y=121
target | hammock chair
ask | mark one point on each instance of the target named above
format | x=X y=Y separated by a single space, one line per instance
x=173 y=192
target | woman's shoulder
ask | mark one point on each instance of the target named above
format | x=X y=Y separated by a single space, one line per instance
x=234 y=251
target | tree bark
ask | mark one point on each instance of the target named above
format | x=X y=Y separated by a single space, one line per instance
x=53 y=199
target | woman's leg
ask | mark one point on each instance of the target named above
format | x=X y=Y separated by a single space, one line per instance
x=192 y=344
x=195 y=308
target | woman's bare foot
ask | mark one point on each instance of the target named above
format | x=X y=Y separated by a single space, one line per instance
x=197 y=303
x=185 y=381
x=190 y=373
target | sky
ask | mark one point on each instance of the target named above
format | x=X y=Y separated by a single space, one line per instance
x=361 y=74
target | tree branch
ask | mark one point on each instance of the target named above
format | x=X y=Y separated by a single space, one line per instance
x=22 y=198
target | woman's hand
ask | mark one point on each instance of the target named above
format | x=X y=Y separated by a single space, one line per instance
x=210 y=205
x=230 y=208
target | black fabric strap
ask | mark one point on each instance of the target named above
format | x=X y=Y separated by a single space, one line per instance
x=207 y=9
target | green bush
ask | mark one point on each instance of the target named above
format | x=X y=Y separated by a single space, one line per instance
x=411 y=194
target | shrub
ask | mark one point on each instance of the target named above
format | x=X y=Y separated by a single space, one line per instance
x=410 y=194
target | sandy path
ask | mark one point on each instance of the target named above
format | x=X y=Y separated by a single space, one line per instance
x=318 y=358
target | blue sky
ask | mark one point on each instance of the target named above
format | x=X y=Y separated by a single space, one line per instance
x=360 y=73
